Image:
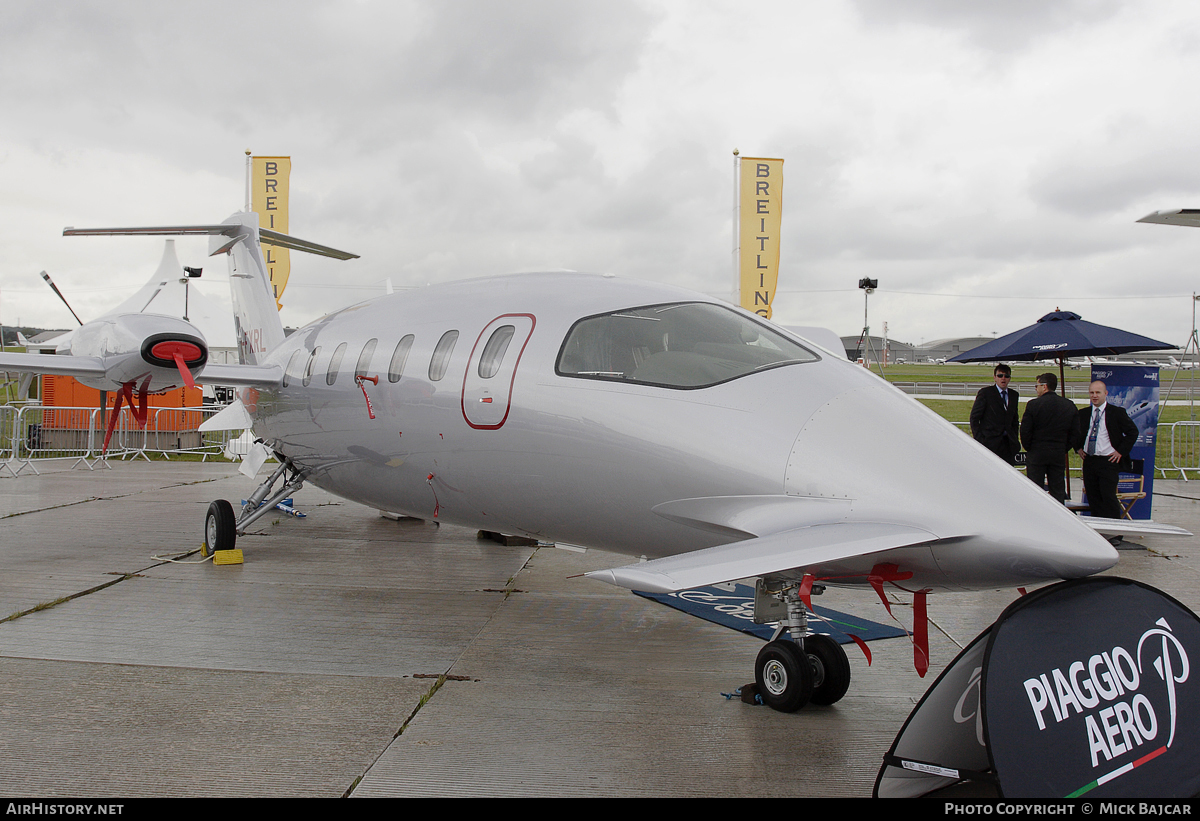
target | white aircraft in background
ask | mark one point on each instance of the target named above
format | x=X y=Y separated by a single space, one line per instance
x=628 y=416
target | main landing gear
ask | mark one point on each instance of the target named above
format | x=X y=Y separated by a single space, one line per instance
x=222 y=527
x=811 y=668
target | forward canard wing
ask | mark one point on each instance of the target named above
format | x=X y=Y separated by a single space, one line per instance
x=774 y=534
x=763 y=556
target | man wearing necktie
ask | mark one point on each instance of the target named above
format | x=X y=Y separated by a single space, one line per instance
x=995 y=422
x=1105 y=439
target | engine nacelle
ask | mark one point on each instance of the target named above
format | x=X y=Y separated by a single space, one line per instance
x=165 y=350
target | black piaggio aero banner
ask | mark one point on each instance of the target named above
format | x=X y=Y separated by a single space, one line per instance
x=1083 y=688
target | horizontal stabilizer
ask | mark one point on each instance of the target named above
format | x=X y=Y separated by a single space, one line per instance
x=233 y=230
x=151 y=231
x=1132 y=527
x=241 y=376
x=77 y=366
x=284 y=241
x=765 y=555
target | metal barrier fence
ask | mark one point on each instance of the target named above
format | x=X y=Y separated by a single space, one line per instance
x=1075 y=392
x=34 y=433
x=1185 y=448
x=1181 y=448
x=8 y=421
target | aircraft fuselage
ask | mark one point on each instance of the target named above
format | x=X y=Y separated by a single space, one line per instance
x=583 y=456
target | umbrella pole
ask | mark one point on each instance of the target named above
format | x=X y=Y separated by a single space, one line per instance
x=1062 y=389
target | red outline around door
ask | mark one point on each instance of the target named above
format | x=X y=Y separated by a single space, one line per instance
x=471 y=362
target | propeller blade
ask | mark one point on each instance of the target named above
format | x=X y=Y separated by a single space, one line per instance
x=183 y=371
x=54 y=288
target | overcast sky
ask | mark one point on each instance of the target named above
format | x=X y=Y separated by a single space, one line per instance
x=985 y=161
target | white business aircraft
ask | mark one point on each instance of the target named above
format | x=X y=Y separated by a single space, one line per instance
x=629 y=416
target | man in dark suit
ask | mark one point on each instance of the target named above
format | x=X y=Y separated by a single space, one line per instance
x=1105 y=438
x=1049 y=428
x=994 y=418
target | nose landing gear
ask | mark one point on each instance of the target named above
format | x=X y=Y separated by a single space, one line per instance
x=810 y=667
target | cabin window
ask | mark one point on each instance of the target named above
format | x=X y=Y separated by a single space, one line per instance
x=441 y=355
x=681 y=345
x=308 y=368
x=364 y=358
x=399 y=357
x=494 y=350
x=289 y=372
x=335 y=362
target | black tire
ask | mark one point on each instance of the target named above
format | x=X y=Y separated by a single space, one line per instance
x=783 y=675
x=220 y=528
x=831 y=669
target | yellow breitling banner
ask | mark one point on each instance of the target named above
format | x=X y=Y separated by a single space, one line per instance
x=760 y=205
x=269 y=199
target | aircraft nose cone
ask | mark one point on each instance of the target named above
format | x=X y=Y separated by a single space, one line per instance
x=897 y=461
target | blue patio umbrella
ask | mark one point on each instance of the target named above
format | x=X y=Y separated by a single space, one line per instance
x=1060 y=334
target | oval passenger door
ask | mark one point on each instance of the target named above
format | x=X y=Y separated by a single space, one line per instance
x=492 y=368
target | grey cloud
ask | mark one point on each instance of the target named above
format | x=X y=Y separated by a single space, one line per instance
x=1012 y=25
x=1117 y=177
x=516 y=59
x=334 y=74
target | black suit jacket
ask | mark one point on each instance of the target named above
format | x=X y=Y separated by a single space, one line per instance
x=1122 y=431
x=1049 y=428
x=991 y=424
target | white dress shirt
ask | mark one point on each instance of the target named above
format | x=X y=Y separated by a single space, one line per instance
x=1103 y=443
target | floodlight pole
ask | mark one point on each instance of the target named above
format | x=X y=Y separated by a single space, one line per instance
x=868 y=287
x=186 y=282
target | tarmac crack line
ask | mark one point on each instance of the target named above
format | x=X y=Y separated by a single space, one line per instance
x=53 y=507
x=509 y=589
x=421 y=702
x=64 y=599
x=106 y=498
x=135 y=574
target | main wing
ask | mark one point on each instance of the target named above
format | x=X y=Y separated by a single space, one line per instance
x=241 y=376
x=237 y=376
x=77 y=366
x=1132 y=527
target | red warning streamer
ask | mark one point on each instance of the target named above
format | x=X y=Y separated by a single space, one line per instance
x=374 y=380
x=881 y=573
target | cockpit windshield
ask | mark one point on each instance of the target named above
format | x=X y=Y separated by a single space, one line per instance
x=681 y=345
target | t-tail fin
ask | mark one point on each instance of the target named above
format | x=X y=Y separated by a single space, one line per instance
x=255 y=314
